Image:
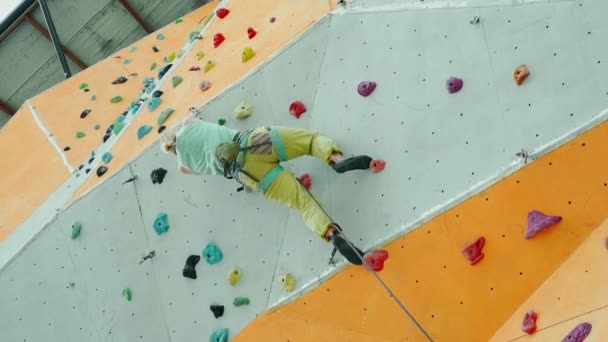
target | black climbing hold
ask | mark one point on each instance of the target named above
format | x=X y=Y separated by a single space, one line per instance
x=67 y=148
x=154 y=48
x=218 y=310
x=158 y=175
x=87 y=171
x=80 y=167
x=106 y=137
x=86 y=90
x=157 y=93
x=164 y=70
x=85 y=113
x=91 y=160
x=125 y=113
x=110 y=129
x=189 y=270
x=120 y=80
x=101 y=170
x=161 y=129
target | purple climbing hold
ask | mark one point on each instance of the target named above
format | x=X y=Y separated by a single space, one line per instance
x=579 y=333
x=453 y=84
x=366 y=88
x=538 y=221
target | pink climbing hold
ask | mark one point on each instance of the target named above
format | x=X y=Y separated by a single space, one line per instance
x=305 y=180
x=529 y=323
x=375 y=260
x=453 y=84
x=473 y=251
x=366 y=88
x=297 y=108
x=579 y=333
x=222 y=12
x=205 y=85
x=377 y=165
x=251 y=32
x=538 y=221
x=218 y=39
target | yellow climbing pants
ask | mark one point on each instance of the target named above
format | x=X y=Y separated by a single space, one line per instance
x=286 y=188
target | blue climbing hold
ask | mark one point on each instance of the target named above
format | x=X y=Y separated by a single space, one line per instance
x=143 y=131
x=161 y=224
x=120 y=119
x=212 y=253
x=106 y=157
x=160 y=36
x=220 y=335
x=154 y=103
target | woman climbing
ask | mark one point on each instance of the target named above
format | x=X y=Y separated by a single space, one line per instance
x=253 y=157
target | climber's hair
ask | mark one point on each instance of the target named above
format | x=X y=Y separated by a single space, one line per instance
x=169 y=141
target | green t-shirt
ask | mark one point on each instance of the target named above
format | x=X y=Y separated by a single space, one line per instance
x=196 y=144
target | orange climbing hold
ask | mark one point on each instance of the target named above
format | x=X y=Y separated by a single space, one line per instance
x=297 y=108
x=218 y=39
x=377 y=165
x=222 y=12
x=473 y=251
x=520 y=73
x=251 y=32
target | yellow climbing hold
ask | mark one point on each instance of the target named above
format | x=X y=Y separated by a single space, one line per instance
x=200 y=55
x=234 y=276
x=171 y=56
x=248 y=54
x=243 y=111
x=209 y=65
x=289 y=282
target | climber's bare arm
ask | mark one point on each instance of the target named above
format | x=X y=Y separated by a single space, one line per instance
x=186 y=171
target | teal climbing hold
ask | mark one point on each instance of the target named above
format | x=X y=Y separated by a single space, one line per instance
x=118 y=126
x=93 y=97
x=160 y=36
x=143 y=131
x=127 y=294
x=133 y=49
x=126 y=61
x=135 y=108
x=120 y=119
x=76 y=227
x=212 y=253
x=106 y=157
x=220 y=335
x=83 y=85
x=153 y=65
x=80 y=134
x=154 y=103
x=176 y=81
x=161 y=223
x=221 y=122
x=164 y=115
x=96 y=127
x=240 y=301
x=116 y=99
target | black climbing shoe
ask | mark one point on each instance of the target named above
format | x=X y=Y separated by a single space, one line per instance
x=353 y=163
x=189 y=270
x=344 y=248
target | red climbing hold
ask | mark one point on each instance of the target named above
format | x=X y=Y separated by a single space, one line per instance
x=377 y=165
x=218 y=39
x=538 y=221
x=222 y=12
x=473 y=251
x=366 y=88
x=305 y=180
x=579 y=333
x=194 y=68
x=375 y=260
x=297 y=108
x=529 y=324
x=251 y=32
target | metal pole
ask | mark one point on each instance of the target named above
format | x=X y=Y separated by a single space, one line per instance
x=54 y=38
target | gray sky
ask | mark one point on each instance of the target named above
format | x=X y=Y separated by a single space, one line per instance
x=6 y=7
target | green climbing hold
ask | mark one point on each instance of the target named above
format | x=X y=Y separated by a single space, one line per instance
x=133 y=49
x=80 y=134
x=96 y=127
x=209 y=65
x=83 y=86
x=164 y=115
x=240 y=301
x=154 y=103
x=116 y=99
x=178 y=20
x=118 y=126
x=221 y=122
x=76 y=227
x=143 y=131
x=127 y=294
x=192 y=36
x=220 y=335
x=106 y=157
x=176 y=81
x=153 y=66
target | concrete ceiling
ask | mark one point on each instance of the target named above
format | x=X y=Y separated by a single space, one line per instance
x=90 y=29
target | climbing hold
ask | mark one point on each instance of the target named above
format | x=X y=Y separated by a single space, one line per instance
x=220 y=335
x=158 y=175
x=289 y=282
x=473 y=251
x=251 y=32
x=153 y=65
x=101 y=170
x=194 y=68
x=377 y=165
x=120 y=119
x=221 y=122
x=248 y=54
x=579 y=333
x=453 y=84
x=218 y=39
x=190 y=268
x=106 y=157
x=529 y=323
x=164 y=70
x=126 y=61
x=205 y=85
x=127 y=294
x=297 y=108
x=76 y=227
x=272 y=20
x=120 y=80
x=178 y=20
x=106 y=137
x=212 y=253
x=160 y=36
x=170 y=57
x=366 y=88
x=164 y=115
x=161 y=129
x=154 y=48
x=96 y=127
x=375 y=260
x=133 y=49
x=200 y=55
x=85 y=113
x=520 y=74
x=209 y=65
x=538 y=221
x=305 y=180
x=243 y=111
x=67 y=148
x=118 y=126
x=192 y=36
x=93 y=97
x=176 y=80
x=87 y=171
x=161 y=223
x=218 y=310
x=143 y=131
x=80 y=134
x=475 y=20
x=116 y=99
x=83 y=86
x=240 y=301
x=235 y=275
x=222 y=12
x=87 y=90
x=154 y=103
x=157 y=93
x=179 y=53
